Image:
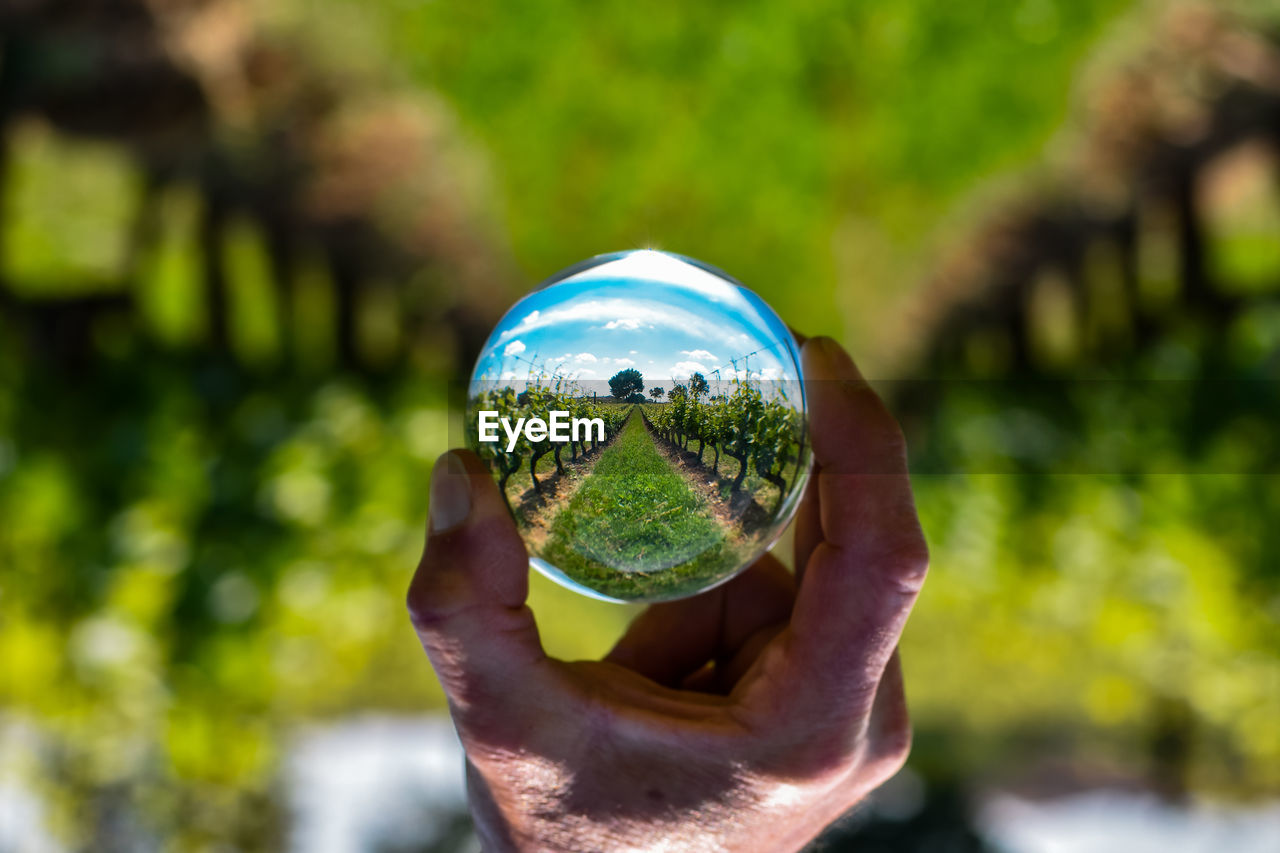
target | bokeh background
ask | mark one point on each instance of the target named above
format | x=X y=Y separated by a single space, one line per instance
x=246 y=247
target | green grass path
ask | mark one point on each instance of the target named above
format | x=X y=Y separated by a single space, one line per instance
x=635 y=528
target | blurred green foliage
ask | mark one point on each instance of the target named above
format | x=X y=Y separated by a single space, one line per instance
x=809 y=148
x=68 y=208
x=198 y=553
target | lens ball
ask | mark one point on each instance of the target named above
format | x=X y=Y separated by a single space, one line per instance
x=643 y=415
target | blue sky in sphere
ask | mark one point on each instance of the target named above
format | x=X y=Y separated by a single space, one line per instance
x=647 y=310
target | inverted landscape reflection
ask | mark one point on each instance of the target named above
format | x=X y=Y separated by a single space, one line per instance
x=694 y=452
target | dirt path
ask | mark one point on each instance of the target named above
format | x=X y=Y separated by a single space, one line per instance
x=539 y=509
x=740 y=512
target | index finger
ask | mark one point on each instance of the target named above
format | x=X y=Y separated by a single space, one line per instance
x=865 y=571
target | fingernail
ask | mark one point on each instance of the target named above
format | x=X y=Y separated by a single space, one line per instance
x=450 y=494
x=827 y=347
x=831 y=361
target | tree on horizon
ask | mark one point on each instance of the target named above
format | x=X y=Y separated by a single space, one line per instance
x=626 y=383
x=698 y=386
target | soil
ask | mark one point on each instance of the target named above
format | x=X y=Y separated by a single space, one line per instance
x=741 y=512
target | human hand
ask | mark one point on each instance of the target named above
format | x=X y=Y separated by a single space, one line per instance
x=745 y=718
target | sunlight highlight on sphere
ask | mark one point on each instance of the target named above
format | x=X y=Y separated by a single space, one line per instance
x=644 y=417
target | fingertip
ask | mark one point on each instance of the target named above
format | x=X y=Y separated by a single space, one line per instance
x=473 y=548
x=853 y=430
x=463 y=484
x=824 y=359
x=450 y=494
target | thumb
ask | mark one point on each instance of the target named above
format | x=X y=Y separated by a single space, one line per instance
x=467 y=598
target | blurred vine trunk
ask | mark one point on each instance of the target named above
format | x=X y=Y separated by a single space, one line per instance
x=1171 y=743
x=537 y=454
x=504 y=476
x=281 y=151
x=1060 y=284
x=742 y=468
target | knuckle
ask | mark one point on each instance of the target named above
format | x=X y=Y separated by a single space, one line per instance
x=434 y=597
x=895 y=745
x=425 y=612
x=423 y=615
x=885 y=429
x=431 y=617
x=890 y=757
x=895 y=441
x=912 y=567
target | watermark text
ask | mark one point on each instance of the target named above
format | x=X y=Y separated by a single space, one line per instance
x=557 y=427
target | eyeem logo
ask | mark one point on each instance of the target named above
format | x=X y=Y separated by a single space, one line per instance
x=558 y=427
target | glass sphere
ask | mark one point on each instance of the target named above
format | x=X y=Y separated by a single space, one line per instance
x=644 y=417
